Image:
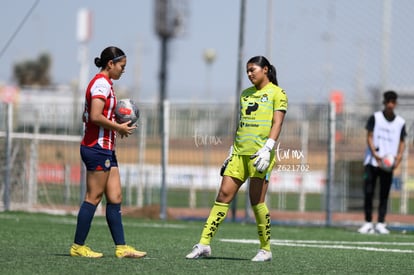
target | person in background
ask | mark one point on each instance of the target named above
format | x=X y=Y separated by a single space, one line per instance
x=97 y=150
x=262 y=110
x=385 y=135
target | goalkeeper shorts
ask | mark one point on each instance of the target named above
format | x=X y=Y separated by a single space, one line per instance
x=241 y=167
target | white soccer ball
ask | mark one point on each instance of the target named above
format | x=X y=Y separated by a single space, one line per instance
x=126 y=110
x=387 y=163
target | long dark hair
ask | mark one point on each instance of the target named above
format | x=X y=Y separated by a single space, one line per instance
x=263 y=62
x=110 y=53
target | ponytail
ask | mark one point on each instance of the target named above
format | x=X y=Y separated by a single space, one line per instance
x=271 y=74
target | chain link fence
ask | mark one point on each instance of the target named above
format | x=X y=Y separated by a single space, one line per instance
x=41 y=165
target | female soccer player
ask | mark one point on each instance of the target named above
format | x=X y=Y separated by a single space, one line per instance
x=98 y=154
x=262 y=111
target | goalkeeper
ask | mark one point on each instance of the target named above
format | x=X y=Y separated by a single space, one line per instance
x=262 y=110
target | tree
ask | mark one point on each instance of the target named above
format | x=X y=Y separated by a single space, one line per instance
x=33 y=72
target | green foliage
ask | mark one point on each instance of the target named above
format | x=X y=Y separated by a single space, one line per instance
x=34 y=72
x=39 y=244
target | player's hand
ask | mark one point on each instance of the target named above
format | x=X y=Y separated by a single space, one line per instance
x=125 y=129
x=263 y=156
x=226 y=161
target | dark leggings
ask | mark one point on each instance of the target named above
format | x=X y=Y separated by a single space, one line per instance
x=370 y=179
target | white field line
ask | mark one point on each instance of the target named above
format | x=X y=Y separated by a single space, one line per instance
x=332 y=244
x=344 y=242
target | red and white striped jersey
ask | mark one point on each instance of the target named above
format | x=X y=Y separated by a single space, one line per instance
x=99 y=87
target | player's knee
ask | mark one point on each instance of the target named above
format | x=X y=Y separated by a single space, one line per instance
x=224 y=197
x=94 y=199
x=114 y=198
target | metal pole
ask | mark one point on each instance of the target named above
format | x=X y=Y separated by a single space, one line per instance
x=167 y=24
x=269 y=32
x=304 y=144
x=83 y=82
x=141 y=160
x=163 y=131
x=67 y=184
x=83 y=34
x=386 y=33
x=33 y=163
x=6 y=193
x=404 y=177
x=331 y=162
x=238 y=89
x=240 y=59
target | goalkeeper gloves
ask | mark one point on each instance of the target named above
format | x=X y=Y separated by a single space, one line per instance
x=226 y=161
x=263 y=156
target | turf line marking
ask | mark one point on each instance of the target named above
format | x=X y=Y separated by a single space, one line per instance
x=365 y=248
x=344 y=242
x=332 y=245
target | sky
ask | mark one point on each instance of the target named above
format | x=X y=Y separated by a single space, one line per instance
x=316 y=46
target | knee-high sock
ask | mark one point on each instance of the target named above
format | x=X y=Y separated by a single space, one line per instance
x=85 y=216
x=263 y=225
x=114 y=220
x=217 y=214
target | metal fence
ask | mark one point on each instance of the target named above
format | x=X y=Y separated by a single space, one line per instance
x=41 y=166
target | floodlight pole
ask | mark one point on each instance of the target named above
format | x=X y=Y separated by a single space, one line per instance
x=163 y=129
x=238 y=91
x=165 y=29
x=83 y=35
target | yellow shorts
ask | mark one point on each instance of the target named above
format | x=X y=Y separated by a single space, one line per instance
x=241 y=167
